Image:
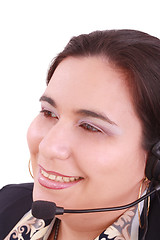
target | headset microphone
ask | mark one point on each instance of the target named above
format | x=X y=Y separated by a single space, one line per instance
x=47 y=210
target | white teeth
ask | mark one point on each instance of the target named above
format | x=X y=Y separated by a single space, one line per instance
x=73 y=179
x=67 y=179
x=45 y=174
x=59 y=178
x=52 y=177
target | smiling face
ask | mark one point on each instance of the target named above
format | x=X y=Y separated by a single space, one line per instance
x=85 y=144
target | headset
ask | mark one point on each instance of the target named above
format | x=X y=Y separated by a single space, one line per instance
x=47 y=210
x=152 y=170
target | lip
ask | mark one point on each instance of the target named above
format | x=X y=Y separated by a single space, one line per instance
x=52 y=184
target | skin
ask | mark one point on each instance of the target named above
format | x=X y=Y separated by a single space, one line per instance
x=109 y=157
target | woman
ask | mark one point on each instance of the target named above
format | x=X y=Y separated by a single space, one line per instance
x=92 y=141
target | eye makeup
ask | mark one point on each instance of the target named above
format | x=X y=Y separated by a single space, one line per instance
x=100 y=121
x=102 y=127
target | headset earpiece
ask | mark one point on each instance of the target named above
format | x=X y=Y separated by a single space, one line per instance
x=156 y=150
x=153 y=163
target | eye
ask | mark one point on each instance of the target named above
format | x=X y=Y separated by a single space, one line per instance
x=89 y=127
x=47 y=114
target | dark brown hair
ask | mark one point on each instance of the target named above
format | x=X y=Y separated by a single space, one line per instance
x=138 y=55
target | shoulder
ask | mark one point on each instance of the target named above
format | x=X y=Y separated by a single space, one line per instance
x=24 y=187
x=15 y=201
x=11 y=194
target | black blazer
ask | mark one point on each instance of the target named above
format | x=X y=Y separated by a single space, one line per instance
x=16 y=200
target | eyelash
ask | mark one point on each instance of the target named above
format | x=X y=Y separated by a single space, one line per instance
x=89 y=128
x=48 y=114
x=86 y=126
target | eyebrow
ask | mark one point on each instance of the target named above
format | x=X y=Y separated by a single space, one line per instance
x=83 y=112
x=49 y=100
x=88 y=113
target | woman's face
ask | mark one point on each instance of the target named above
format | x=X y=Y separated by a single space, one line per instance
x=85 y=144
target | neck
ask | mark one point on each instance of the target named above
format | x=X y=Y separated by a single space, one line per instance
x=86 y=226
x=66 y=233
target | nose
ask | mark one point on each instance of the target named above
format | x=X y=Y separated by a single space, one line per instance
x=56 y=143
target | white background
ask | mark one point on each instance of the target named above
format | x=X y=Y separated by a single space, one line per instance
x=32 y=32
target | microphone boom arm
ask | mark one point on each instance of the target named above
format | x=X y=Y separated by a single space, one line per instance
x=111 y=208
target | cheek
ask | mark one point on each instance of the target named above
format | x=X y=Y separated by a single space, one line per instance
x=96 y=159
x=114 y=161
x=35 y=135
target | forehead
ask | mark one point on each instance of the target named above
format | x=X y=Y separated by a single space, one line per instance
x=92 y=79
